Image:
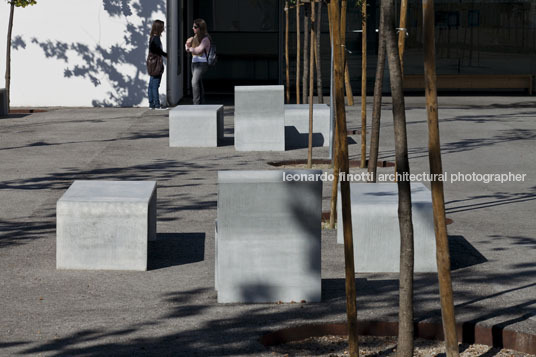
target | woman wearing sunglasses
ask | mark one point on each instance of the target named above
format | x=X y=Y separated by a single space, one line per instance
x=198 y=46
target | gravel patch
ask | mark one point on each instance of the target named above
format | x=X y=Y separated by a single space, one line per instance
x=372 y=346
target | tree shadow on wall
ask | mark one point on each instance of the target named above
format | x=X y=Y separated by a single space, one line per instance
x=99 y=64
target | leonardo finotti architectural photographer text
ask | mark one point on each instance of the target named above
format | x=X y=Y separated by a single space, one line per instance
x=420 y=177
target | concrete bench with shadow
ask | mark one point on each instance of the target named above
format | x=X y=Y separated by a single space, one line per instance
x=297 y=125
x=375 y=229
x=196 y=126
x=259 y=118
x=105 y=225
x=268 y=237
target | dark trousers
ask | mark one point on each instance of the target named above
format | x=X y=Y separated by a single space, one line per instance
x=154 y=97
x=198 y=70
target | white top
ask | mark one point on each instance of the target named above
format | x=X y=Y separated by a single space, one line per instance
x=199 y=59
x=200 y=52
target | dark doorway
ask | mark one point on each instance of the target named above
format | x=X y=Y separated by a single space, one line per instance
x=246 y=33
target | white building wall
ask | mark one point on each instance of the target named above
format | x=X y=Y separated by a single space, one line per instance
x=80 y=52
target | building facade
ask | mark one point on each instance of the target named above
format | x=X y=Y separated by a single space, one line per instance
x=92 y=53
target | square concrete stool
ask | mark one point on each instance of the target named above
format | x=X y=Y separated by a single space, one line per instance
x=268 y=237
x=297 y=125
x=105 y=225
x=196 y=126
x=259 y=118
x=376 y=232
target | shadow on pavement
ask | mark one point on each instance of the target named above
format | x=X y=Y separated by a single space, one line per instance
x=171 y=249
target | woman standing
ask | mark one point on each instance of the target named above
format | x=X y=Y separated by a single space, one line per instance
x=199 y=47
x=155 y=47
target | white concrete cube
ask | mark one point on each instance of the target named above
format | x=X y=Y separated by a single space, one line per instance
x=105 y=225
x=297 y=125
x=376 y=232
x=3 y=102
x=268 y=237
x=196 y=126
x=259 y=118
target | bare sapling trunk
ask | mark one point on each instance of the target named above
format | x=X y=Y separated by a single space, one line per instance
x=436 y=168
x=363 y=84
x=402 y=33
x=287 y=70
x=377 y=105
x=318 y=23
x=8 y=52
x=305 y=77
x=311 y=88
x=349 y=94
x=334 y=186
x=405 y=312
x=336 y=165
x=402 y=37
x=298 y=49
x=338 y=58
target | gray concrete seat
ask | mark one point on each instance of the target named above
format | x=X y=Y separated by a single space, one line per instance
x=196 y=126
x=268 y=237
x=297 y=125
x=259 y=118
x=105 y=225
x=376 y=232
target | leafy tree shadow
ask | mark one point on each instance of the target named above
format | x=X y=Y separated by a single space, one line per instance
x=238 y=332
x=469 y=144
x=41 y=223
x=99 y=64
x=490 y=200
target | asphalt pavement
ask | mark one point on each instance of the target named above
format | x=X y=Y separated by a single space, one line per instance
x=171 y=309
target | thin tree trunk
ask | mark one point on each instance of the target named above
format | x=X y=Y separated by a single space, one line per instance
x=405 y=312
x=349 y=94
x=8 y=52
x=305 y=77
x=436 y=168
x=335 y=183
x=342 y=152
x=287 y=70
x=318 y=24
x=402 y=33
x=363 y=84
x=311 y=88
x=464 y=42
x=471 y=36
x=377 y=106
x=298 y=49
x=402 y=37
x=336 y=165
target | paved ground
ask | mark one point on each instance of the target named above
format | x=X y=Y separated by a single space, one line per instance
x=171 y=309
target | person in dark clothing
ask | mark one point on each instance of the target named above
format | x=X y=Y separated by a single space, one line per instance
x=155 y=47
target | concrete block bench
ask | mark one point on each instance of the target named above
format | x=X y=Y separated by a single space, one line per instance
x=105 y=225
x=3 y=102
x=268 y=237
x=376 y=231
x=196 y=126
x=259 y=118
x=297 y=125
